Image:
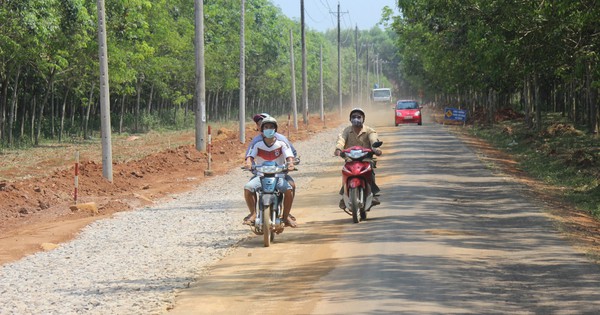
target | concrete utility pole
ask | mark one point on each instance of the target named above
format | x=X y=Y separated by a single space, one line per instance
x=104 y=96
x=377 y=70
x=339 y=62
x=200 y=83
x=321 y=83
x=293 y=70
x=356 y=49
x=242 y=74
x=368 y=82
x=339 y=58
x=304 y=67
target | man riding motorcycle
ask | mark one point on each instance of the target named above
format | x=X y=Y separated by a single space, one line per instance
x=270 y=149
x=362 y=135
x=258 y=118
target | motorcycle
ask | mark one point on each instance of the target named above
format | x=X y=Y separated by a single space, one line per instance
x=269 y=201
x=357 y=175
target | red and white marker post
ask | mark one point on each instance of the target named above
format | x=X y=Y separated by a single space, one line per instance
x=76 y=176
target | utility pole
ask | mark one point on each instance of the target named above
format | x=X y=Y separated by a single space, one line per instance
x=368 y=82
x=339 y=58
x=242 y=74
x=356 y=48
x=321 y=83
x=104 y=96
x=339 y=61
x=200 y=84
x=294 y=106
x=377 y=70
x=304 y=66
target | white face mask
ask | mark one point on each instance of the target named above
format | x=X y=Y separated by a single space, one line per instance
x=356 y=122
x=269 y=133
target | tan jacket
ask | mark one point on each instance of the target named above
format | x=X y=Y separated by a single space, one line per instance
x=348 y=138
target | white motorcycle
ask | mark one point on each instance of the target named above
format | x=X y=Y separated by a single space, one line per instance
x=269 y=201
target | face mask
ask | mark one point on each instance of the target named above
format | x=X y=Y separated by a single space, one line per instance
x=269 y=133
x=357 y=122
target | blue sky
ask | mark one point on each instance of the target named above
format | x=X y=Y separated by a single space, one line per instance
x=362 y=13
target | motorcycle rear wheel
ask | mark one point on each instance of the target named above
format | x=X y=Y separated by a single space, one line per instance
x=355 y=199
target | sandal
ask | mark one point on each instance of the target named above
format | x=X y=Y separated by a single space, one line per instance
x=293 y=218
x=249 y=220
x=290 y=223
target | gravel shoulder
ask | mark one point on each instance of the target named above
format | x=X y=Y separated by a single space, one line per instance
x=133 y=262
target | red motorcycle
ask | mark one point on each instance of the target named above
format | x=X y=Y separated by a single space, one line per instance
x=357 y=175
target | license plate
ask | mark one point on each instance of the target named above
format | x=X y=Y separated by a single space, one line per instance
x=407 y=117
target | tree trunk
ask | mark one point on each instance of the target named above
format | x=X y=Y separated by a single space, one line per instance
x=122 y=114
x=33 y=122
x=87 y=111
x=149 y=105
x=217 y=112
x=62 y=115
x=22 y=135
x=52 y=112
x=13 y=108
x=3 y=106
x=591 y=101
x=39 y=122
x=73 y=112
x=137 y=105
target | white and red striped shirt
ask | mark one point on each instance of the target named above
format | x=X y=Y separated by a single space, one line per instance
x=279 y=151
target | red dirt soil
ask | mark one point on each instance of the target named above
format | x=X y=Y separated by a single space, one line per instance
x=37 y=186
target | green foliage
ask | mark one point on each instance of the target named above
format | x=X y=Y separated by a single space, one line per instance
x=53 y=46
x=478 y=48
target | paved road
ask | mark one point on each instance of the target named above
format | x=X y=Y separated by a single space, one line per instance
x=450 y=237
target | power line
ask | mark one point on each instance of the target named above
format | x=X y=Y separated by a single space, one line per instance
x=328 y=7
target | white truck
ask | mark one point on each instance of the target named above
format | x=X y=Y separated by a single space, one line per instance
x=382 y=95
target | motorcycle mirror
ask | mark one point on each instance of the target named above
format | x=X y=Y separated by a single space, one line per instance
x=377 y=144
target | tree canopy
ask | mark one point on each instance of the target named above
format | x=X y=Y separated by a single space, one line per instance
x=49 y=64
x=532 y=55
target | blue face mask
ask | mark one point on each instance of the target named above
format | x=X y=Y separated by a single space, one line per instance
x=269 y=133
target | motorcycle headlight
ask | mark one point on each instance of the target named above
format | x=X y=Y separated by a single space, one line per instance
x=356 y=154
x=269 y=169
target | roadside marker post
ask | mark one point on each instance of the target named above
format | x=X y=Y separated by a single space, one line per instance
x=76 y=176
x=90 y=207
x=208 y=171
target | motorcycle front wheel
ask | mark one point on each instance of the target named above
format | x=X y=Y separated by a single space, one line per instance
x=268 y=233
x=355 y=200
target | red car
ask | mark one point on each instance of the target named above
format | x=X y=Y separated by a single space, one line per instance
x=408 y=112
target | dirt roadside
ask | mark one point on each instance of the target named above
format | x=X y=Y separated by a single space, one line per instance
x=37 y=185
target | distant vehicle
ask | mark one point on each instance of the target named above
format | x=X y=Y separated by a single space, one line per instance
x=407 y=112
x=382 y=95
